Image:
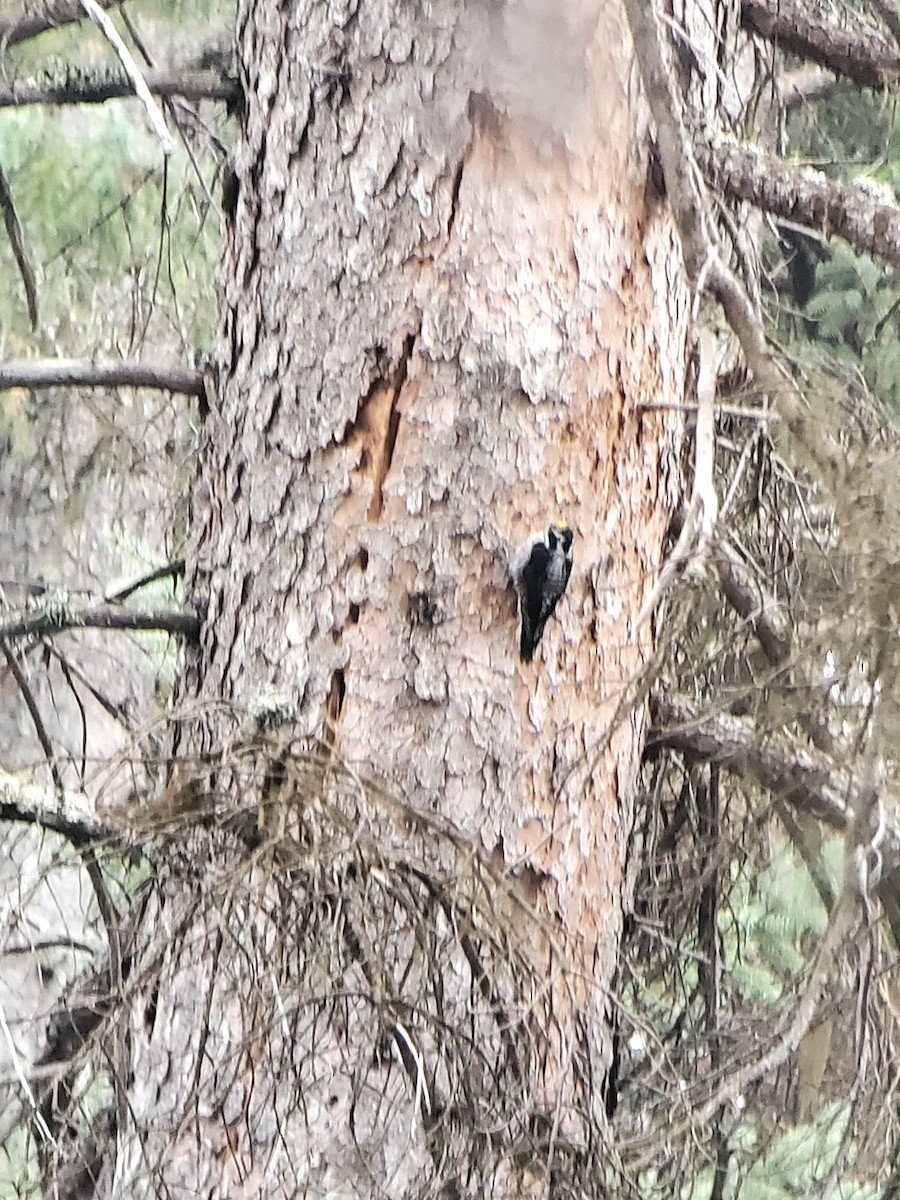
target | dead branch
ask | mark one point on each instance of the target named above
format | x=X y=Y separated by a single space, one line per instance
x=887 y=10
x=70 y=372
x=89 y=858
x=73 y=674
x=19 y=29
x=92 y=89
x=48 y=623
x=703 y=510
x=814 y=430
x=800 y=194
x=789 y=1038
x=850 y=48
x=805 y=778
x=767 y=620
x=173 y=110
x=169 y=571
x=752 y=604
x=854 y=896
x=64 y=812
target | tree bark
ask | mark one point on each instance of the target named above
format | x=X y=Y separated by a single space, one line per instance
x=448 y=290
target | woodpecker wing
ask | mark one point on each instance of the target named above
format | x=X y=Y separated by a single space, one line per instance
x=557 y=569
x=532 y=600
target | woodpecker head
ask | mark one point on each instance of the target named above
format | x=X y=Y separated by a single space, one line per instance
x=560 y=535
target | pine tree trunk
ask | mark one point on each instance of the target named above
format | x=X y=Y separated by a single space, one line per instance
x=448 y=288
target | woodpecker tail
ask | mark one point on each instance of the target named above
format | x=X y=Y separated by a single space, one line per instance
x=527 y=643
x=531 y=636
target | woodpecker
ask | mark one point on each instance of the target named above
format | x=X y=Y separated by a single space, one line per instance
x=540 y=572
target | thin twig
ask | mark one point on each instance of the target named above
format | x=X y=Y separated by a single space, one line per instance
x=20 y=252
x=107 y=909
x=804 y=85
x=171 y=108
x=70 y=680
x=22 y=1080
x=696 y=531
x=721 y=410
x=169 y=570
x=34 y=712
x=118 y=712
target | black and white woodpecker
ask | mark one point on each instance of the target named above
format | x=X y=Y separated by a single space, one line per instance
x=540 y=572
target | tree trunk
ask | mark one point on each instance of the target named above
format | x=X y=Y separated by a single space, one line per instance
x=448 y=288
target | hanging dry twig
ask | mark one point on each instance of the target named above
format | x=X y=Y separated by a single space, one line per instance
x=155 y=117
